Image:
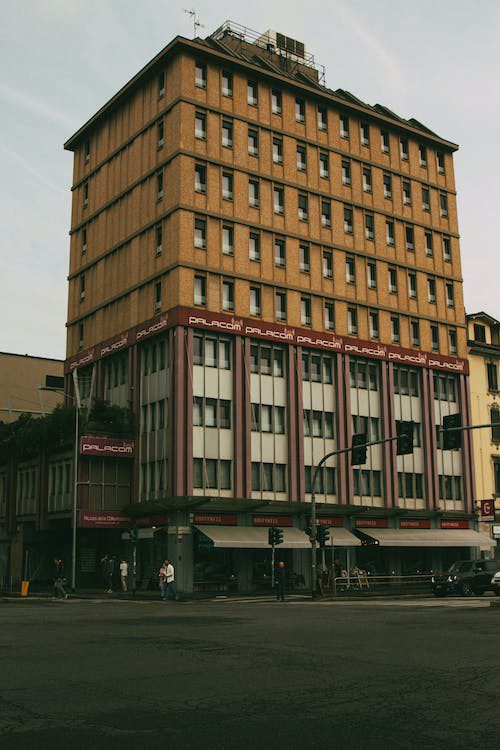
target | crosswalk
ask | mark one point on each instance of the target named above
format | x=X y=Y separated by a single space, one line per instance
x=475 y=602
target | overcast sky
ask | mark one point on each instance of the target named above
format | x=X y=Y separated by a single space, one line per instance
x=60 y=60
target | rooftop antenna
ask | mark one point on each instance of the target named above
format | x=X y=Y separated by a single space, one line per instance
x=196 y=23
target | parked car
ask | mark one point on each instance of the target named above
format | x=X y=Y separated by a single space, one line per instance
x=495 y=582
x=467 y=577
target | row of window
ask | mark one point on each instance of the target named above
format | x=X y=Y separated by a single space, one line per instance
x=154 y=357
x=60 y=489
x=321 y=116
x=153 y=416
x=211 y=412
x=268 y=418
x=27 y=484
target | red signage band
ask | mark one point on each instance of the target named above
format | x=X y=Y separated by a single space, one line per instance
x=100 y=519
x=114 y=447
x=454 y=524
x=149 y=521
x=272 y=521
x=213 y=519
x=414 y=523
x=327 y=521
x=371 y=523
x=276 y=332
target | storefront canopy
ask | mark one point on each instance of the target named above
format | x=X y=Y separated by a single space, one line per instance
x=429 y=538
x=252 y=537
x=342 y=538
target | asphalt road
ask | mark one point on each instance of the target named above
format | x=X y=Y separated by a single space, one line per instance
x=147 y=675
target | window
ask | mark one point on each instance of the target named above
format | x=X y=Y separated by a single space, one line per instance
x=159 y=239
x=410 y=238
x=403 y=148
x=300 y=109
x=228 y=296
x=227 y=186
x=255 y=308
x=227 y=239
x=452 y=340
x=324 y=169
x=200 y=233
x=429 y=245
x=254 y=246
x=279 y=252
x=423 y=155
x=406 y=382
x=367 y=483
x=200 y=178
x=305 y=311
x=159 y=186
x=84 y=240
x=276 y=102
x=268 y=477
x=367 y=179
x=344 y=126
x=253 y=142
x=277 y=150
x=318 y=424
x=210 y=351
x=316 y=368
x=387 y=186
x=431 y=288
x=434 y=338
x=227 y=83
x=82 y=287
x=211 y=474
x=227 y=133
x=350 y=273
x=252 y=93
x=443 y=205
x=384 y=141
x=325 y=482
x=326 y=218
x=393 y=280
x=304 y=257
x=426 y=206
x=495 y=422
x=496 y=472
x=365 y=133
x=369 y=426
x=450 y=297
x=410 y=485
x=415 y=332
x=303 y=207
x=278 y=200
x=374 y=327
x=346 y=173
x=371 y=273
x=301 y=158
x=200 y=290
x=158 y=295
x=412 y=285
x=406 y=193
x=446 y=249
x=492 y=373
x=87 y=151
x=329 y=316
x=479 y=333
x=85 y=194
x=445 y=388
x=160 y=134
x=200 y=75
x=327 y=264
x=280 y=304
x=200 y=126
x=253 y=193
x=394 y=329
x=369 y=227
x=322 y=118
x=440 y=162
x=389 y=232
x=267 y=360
x=348 y=227
x=352 y=320
x=80 y=335
x=161 y=84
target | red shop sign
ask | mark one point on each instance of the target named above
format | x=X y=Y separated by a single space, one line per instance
x=454 y=524
x=372 y=523
x=114 y=447
x=271 y=521
x=101 y=519
x=327 y=521
x=414 y=523
x=149 y=521
x=214 y=519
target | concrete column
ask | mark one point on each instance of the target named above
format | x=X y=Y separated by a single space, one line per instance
x=340 y=397
x=389 y=450
x=430 y=441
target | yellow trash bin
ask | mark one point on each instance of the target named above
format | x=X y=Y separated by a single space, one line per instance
x=24 y=588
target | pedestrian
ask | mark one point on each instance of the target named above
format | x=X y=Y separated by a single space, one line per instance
x=170 y=580
x=162 y=581
x=123 y=574
x=280 y=580
x=58 y=576
x=107 y=573
x=320 y=576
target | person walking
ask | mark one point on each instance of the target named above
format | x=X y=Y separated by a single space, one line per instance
x=162 y=580
x=58 y=576
x=107 y=574
x=170 y=580
x=280 y=580
x=123 y=574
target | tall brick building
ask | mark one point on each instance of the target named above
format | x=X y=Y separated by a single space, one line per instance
x=261 y=266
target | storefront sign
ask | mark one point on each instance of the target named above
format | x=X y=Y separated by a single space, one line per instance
x=371 y=523
x=454 y=524
x=149 y=521
x=414 y=523
x=114 y=447
x=272 y=521
x=101 y=519
x=487 y=510
x=327 y=521
x=213 y=519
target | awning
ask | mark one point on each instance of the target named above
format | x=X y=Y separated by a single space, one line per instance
x=342 y=538
x=252 y=537
x=428 y=537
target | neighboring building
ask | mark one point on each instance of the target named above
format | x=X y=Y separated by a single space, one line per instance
x=21 y=376
x=484 y=364
x=260 y=267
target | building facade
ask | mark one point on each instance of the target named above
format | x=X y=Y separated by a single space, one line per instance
x=21 y=377
x=261 y=267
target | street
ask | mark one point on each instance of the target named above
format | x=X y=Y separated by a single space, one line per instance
x=237 y=674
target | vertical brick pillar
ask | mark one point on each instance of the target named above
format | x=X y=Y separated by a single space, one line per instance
x=239 y=413
x=188 y=420
x=178 y=412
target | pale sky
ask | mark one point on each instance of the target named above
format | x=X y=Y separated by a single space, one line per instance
x=60 y=60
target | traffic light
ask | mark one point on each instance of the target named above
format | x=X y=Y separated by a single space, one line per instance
x=405 y=438
x=270 y=536
x=358 y=455
x=323 y=535
x=278 y=536
x=452 y=440
x=274 y=536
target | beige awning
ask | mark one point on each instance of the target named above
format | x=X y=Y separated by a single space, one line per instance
x=429 y=537
x=340 y=537
x=252 y=537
